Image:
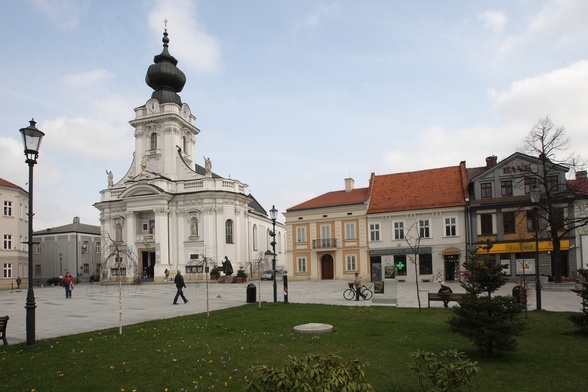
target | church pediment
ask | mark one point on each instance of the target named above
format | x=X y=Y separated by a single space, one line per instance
x=141 y=190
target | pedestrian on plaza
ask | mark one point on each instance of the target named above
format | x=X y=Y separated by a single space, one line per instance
x=180 y=285
x=445 y=290
x=166 y=272
x=358 y=284
x=18 y=282
x=68 y=283
x=227 y=267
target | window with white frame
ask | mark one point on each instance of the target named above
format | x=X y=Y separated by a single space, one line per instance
x=398 y=230
x=7 y=270
x=97 y=246
x=229 y=231
x=153 y=141
x=425 y=228
x=85 y=247
x=254 y=237
x=7 y=211
x=351 y=262
x=301 y=265
x=37 y=249
x=450 y=227
x=350 y=231
x=301 y=234
x=374 y=232
x=7 y=243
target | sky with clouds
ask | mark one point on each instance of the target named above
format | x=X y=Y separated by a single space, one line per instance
x=291 y=97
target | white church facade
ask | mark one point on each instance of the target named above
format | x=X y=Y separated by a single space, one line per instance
x=169 y=213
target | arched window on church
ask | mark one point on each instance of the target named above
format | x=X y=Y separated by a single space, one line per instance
x=229 y=231
x=153 y=141
x=184 y=144
x=254 y=237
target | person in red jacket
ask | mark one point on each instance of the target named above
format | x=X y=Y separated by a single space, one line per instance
x=68 y=283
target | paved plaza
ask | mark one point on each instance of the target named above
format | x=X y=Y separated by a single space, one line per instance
x=94 y=306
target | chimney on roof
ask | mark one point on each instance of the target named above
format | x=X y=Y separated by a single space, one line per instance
x=349 y=184
x=76 y=219
x=491 y=161
x=580 y=174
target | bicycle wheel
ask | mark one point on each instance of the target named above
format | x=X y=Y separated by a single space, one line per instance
x=349 y=294
x=367 y=293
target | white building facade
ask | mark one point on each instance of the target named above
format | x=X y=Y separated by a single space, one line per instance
x=169 y=213
x=14 y=231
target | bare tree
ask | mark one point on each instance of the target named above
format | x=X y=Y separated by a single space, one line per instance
x=546 y=141
x=123 y=264
x=414 y=242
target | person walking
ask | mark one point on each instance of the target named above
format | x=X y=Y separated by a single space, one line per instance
x=18 y=282
x=166 y=272
x=180 y=285
x=358 y=284
x=68 y=283
x=445 y=290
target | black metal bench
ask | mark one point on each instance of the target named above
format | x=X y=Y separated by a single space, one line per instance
x=445 y=297
x=3 y=324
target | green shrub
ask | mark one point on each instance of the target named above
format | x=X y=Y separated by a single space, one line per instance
x=450 y=372
x=581 y=319
x=310 y=373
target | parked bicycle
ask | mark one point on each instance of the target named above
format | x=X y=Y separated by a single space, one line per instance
x=349 y=294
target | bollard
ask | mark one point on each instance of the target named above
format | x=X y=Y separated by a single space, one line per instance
x=285 y=279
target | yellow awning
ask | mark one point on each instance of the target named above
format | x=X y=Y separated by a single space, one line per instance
x=517 y=247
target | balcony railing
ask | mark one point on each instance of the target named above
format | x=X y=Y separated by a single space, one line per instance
x=324 y=243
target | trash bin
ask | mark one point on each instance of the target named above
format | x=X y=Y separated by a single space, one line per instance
x=251 y=293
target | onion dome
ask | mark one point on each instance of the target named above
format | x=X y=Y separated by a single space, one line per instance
x=164 y=77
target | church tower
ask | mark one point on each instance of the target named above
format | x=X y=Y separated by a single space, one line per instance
x=167 y=212
x=164 y=126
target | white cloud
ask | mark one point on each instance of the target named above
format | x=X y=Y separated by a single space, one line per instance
x=494 y=20
x=64 y=13
x=318 y=13
x=87 y=79
x=561 y=93
x=87 y=138
x=561 y=22
x=188 y=40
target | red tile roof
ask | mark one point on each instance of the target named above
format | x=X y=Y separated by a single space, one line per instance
x=334 y=199
x=433 y=188
x=8 y=184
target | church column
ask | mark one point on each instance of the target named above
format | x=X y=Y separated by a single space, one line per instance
x=162 y=236
x=131 y=230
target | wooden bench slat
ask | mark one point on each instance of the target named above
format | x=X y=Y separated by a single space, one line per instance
x=445 y=297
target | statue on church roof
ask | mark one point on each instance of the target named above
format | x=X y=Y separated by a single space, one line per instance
x=110 y=181
x=208 y=166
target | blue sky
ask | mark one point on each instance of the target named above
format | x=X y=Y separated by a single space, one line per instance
x=291 y=97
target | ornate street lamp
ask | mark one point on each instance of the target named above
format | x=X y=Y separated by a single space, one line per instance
x=31 y=138
x=535 y=194
x=273 y=216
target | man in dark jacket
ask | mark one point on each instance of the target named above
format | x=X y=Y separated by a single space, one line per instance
x=180 y=285
x=445 y=290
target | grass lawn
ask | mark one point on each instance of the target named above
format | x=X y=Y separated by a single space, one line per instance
x=200 y=353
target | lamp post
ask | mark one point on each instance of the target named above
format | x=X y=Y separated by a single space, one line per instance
x=535 y=194
x=31 y=138
x=273 y=215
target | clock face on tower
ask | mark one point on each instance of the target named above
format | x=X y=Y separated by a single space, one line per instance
x=153 y=106
x=185 y=111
